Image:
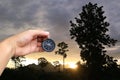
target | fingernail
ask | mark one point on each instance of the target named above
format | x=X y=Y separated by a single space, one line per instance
x=47 y=32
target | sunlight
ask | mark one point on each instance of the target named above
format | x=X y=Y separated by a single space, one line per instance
x=72 y=65
x=29 y=61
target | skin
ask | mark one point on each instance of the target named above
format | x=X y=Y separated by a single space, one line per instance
x=21 y=44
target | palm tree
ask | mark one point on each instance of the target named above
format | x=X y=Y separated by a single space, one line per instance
x=62 y=51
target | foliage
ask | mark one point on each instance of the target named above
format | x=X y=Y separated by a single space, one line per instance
x=42 y=62
x=57 y=65
x=27 y=73
x=90 y=33
x=18 y=61
x=62 y=51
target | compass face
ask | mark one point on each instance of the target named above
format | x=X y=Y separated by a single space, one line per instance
x=48 y=45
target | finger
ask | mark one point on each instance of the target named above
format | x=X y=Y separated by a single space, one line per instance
x=39 y=49
x=38 y=44
x=40 y=39
x=39 y=33
x=37 y=41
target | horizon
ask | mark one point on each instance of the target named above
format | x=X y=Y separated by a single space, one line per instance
x=30 y=59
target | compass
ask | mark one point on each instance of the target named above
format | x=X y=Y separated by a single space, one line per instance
x=48 y=45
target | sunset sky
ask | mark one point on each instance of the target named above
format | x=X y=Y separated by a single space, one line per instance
x=54 y=16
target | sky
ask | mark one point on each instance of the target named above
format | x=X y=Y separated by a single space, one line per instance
x=54 y=16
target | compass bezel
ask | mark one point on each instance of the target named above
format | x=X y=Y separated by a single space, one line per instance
x=45 y=47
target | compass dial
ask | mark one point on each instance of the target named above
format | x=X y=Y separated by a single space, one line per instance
x=48 y=45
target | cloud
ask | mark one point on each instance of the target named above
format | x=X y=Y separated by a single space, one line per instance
x=17 y=12
x=51 y=15
x=114 y=51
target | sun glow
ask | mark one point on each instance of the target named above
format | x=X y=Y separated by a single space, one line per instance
x=29 y=61
x=72 y=65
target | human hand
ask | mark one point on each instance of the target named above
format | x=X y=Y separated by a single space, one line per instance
x=27 y=42
x=21 y=44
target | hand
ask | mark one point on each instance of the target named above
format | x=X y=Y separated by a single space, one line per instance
x=21 y=44
x=27 y=42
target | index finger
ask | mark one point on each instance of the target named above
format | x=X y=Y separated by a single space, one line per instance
x=39 y=33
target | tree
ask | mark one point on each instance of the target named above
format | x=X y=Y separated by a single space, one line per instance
x=57 y=65
x=18 y=61
x=90 y=32
x=42 y=62
x=62 y=51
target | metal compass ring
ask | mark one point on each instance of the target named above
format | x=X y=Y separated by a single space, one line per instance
x=48 y=45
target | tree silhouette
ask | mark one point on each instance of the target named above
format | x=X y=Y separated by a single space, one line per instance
x=57 y=65
x=18 y=61
x=62 y=51
x=90 y=33
x=42 y=62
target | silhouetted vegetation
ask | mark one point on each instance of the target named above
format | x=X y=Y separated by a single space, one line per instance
x=89 y=31
x=62 y=51
x=35 y=72
x=18 y=60
x=57 y=65
x=42 y=62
